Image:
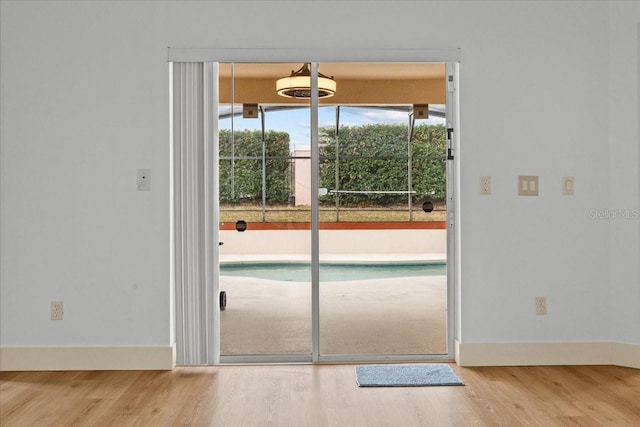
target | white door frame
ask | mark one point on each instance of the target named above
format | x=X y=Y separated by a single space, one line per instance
x=314 y=56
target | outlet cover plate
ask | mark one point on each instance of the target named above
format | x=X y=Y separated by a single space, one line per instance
x=57 y=310
x=541 y=305
x=485 y=185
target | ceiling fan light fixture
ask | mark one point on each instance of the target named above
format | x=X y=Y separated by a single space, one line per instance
x=298 y=84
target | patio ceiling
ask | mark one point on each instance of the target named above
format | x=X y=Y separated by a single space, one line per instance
x=357 y=83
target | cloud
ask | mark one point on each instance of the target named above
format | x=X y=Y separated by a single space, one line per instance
x=360 y=116
x=384 y=116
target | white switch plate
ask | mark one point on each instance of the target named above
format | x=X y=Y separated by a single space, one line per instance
x=144 y=180
x=528 y=185
x=568 y=183
x=485 y=185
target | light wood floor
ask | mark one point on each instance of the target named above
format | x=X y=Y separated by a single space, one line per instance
x=319 y=395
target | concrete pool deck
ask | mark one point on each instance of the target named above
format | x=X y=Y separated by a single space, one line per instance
x=404 y=315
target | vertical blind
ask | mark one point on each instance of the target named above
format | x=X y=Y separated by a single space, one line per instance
x=195 y=113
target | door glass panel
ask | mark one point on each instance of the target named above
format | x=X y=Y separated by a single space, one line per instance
x=381 y=196
x=265 y=269
x=383 y=285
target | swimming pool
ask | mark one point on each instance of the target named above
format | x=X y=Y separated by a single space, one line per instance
x=330 y=272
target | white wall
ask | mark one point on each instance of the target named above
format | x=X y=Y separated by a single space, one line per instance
x=84 y=104
x=624 y=158
x=547 y=88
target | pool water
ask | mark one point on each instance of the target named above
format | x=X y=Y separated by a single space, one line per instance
x=301 y=272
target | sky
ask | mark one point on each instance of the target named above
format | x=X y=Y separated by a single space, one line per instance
x=297 y=123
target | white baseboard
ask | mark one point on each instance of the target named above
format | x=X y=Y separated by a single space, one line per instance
x=626 y=355
x=86 y=358
x=556 y=353
x=466 y=354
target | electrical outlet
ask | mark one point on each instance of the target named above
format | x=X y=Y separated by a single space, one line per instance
x=56 y=310
x=485 y=185
x=541 y=305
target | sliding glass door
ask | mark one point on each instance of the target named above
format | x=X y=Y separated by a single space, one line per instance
x=332 y=208
x=265 y=203
x=383 y=280
x=367 y=158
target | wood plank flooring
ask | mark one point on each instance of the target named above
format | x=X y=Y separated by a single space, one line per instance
x=319 y=395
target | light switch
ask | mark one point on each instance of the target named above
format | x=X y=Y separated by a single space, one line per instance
x=528 y=185
x=567 y=185
x=144 y=180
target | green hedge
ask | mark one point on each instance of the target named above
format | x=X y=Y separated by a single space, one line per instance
x=374 y=158
x=371 y=158
x=248 y=172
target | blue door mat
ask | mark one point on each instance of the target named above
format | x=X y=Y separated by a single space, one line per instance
x=406 y=375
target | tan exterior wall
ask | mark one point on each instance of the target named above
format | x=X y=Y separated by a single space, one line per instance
x=335 y=244
x=302 y=178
